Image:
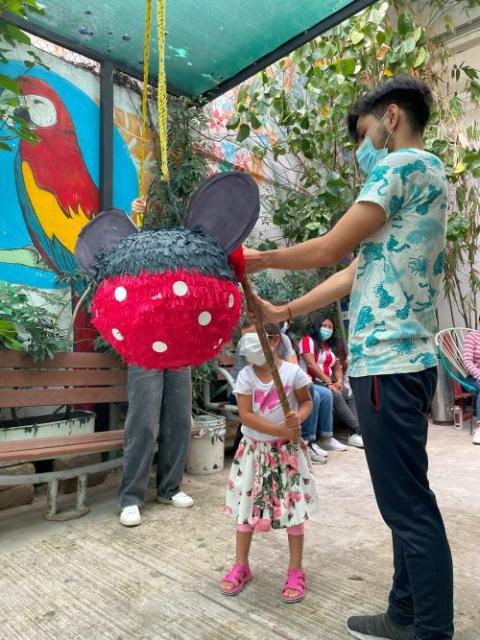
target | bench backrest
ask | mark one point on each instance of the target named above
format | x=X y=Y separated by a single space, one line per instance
x=68 y=378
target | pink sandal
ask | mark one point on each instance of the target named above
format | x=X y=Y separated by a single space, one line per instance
x=295 y=581
x=239 y=575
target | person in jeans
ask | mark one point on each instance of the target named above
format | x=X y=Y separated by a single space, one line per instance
x=321 y=358
x=399 y=222
x=159 y=412
x=318 y=427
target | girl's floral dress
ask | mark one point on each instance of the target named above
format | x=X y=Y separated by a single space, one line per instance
x=271 y=485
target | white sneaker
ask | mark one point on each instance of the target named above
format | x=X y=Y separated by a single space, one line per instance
x=130 y=516
x=315 y=457
x=180 y=499
x=318 y=450
x=355 y=440
x=476 y=436
x=332 y=444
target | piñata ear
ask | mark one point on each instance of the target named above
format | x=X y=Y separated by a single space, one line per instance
x=226 y=206
x=101 y=234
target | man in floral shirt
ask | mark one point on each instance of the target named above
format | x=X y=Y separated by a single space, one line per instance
x=399 y=223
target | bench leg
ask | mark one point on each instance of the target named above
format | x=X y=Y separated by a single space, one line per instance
x=52 y=495
x=81 y=492
x=80 y=510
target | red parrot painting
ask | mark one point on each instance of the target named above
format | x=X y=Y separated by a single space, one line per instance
x=56 y=193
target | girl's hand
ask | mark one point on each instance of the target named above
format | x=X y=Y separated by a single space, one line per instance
x=292 y=420
x=289 y=433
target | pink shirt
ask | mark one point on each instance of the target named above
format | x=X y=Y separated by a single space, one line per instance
x=471 y=353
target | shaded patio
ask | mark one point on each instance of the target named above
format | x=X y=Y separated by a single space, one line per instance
x=92 y=578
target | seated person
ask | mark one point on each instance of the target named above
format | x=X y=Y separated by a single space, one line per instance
x=320 y=356
x=471 y=360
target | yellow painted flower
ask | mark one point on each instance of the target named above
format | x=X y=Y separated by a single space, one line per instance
x=325 y=111
x=459 y=168
x=388 y=72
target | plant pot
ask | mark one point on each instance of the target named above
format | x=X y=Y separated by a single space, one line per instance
x=207 y=446
x=79 y=422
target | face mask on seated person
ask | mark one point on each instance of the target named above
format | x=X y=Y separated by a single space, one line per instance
x=252 y=349
x=325 y=333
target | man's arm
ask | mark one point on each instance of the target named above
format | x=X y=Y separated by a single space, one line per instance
x=337 y=286
x=360 y=221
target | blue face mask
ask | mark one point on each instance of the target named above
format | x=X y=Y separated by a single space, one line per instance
x=325 y=333
x=368 y=156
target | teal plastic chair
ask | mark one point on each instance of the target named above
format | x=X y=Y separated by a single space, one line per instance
x=449 y=343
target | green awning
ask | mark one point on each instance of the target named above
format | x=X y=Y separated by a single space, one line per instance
x=212 y=45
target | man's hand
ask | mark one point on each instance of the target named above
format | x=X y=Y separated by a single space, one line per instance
x=266 y=312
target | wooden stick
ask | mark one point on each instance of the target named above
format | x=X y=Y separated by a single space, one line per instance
x=262 y=334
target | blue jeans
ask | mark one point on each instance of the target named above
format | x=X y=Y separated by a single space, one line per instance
x=476 y=383
x=320 y=421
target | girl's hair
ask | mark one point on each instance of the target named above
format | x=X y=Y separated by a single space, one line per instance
x=332 y=342
x=246 y=323
x=272 y=329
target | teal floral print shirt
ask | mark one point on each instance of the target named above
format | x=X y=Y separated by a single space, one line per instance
x=394 y=295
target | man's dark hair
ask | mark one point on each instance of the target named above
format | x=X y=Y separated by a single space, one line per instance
x=411 y=95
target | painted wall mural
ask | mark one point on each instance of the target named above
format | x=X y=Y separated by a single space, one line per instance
x=50 y=190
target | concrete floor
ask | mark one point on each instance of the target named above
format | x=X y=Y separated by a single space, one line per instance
x=91 y=579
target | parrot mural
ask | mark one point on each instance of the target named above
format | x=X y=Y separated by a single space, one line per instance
x=56 y=192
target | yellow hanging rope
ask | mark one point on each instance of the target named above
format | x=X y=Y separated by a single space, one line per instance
x=162 y=87
x=161 y=93
x=146 y=65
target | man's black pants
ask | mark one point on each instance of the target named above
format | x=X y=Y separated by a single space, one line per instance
x=392 y=411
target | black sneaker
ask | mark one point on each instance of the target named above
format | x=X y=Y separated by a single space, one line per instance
x=378 y=628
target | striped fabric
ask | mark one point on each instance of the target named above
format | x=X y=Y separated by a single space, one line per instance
x=325 y=358
x=471 y=353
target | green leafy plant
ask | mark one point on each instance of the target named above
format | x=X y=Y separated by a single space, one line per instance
x=306 y=97
x=24 y=327
x=167 y=202
x=200 y=375
x=13 y=120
